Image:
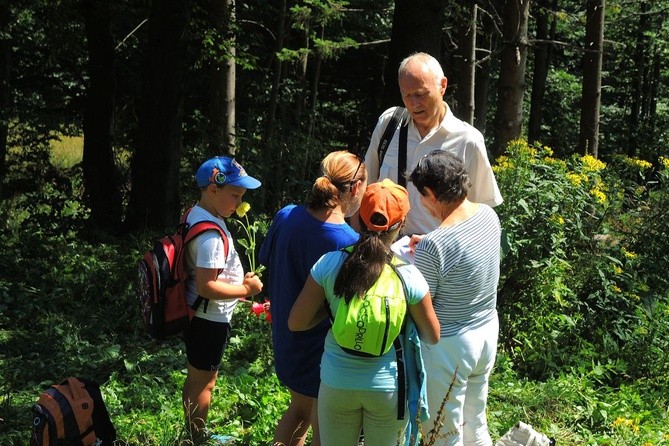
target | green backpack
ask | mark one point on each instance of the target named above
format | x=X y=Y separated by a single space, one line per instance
x=368 y=326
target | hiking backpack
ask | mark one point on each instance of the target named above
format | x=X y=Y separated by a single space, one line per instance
x=71 y=413
x=162 y=280
x=368 y=326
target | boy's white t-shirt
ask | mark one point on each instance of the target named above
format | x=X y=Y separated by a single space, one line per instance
x=208 y=251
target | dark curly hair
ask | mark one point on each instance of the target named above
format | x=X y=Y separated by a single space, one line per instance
x=444 y=173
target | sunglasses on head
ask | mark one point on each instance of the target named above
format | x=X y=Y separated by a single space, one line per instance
x=357 y=169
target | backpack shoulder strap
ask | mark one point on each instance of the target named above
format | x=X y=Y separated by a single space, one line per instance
x=397 y=117
x=203 y=226
x=402 y=155
x=396 y=263
x=190 y=232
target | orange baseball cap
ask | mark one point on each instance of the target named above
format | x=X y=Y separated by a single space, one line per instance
x=383 y=205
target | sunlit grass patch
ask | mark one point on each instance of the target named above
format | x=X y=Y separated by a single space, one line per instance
x=66 y=151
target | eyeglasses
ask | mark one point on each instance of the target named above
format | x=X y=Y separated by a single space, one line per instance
x=355 y=174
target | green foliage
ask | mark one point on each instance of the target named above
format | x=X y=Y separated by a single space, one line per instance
x=583 y=312
x=573 y=287
x=68 y=307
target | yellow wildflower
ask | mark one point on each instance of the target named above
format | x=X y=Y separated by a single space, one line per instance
x=503 y=163
x=665 y=162
x=622 y=422
x=615 y=289
x=574 y=178
x=556 y=219
x=592 y=164
x=242 y=209
x=555 y=162
x=548 y=151
x=641 y=164
x=599 y=195
x=628 y=254
x=617 y=270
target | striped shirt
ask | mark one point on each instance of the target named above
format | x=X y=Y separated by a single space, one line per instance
x=461 y=266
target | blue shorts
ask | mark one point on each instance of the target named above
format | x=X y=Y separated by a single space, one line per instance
x=206 y=342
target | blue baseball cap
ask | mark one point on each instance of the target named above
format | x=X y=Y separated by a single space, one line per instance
x=222 y=170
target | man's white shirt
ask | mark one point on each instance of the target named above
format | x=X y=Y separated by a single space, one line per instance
x=453 y=135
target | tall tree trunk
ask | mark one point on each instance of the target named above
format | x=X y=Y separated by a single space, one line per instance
x=417 y=26
x=302 y=79
x=277 y=70
x=222 y=74
x=541 y=66
x=466 y=90
x=512 y=74
x=484 y=67
x=640 y=63
x=314 y=89
x=101 y=177
x=155 y=198
x=5 y=54
x=592 y=78
x=271 y=184
x=654 y=87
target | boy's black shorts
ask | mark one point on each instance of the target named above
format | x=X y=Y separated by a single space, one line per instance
x=206 y=342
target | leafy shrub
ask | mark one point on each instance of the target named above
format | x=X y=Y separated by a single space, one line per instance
x=573 y=289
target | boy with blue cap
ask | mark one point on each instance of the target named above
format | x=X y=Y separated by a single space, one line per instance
x=217 y=277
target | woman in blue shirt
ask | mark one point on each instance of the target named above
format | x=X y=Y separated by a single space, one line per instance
x=298 y=236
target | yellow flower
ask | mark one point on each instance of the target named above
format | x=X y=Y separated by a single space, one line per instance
x=599 y=195
x=502 y=159
x=615 y=288
x=574 y=178
x=665 y=162
x=503 y=163
x=592 y=164
x=628 y=254
x=556 y=219
x=622 y=422
x=555 y=162
x=641 y=164
x=249 y=243
x=242 y=209
x=548 y=151
x=636 y=162
x=617 y=270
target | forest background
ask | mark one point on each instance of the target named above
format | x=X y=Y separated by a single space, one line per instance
x=107 y=108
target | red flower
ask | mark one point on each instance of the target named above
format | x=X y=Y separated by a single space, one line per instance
x=258 y=308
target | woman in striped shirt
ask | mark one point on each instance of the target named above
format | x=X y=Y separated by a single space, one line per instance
x=460 y=261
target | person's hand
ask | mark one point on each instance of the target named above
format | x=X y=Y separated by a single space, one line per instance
x=252 y=284
x=413 y=242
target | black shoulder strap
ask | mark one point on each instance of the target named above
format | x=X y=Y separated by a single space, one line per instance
x=402 y=155
x=401 y=378
x=395 y=119
x=399 y=352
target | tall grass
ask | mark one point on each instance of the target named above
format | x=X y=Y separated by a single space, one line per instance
x=66 y=151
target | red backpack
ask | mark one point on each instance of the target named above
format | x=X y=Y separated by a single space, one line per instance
x=162 y=280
